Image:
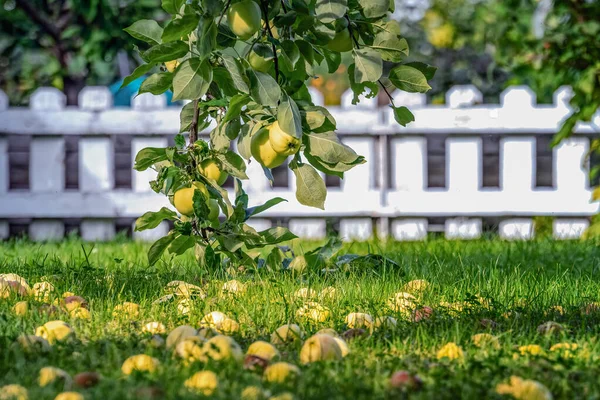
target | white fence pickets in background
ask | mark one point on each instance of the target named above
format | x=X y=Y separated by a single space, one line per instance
x=389 y=195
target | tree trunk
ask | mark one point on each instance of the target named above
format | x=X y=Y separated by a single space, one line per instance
x=72 y=87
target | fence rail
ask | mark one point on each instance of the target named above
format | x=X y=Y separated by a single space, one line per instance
x=61 y=166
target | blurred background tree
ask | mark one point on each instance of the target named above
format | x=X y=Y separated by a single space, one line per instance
x=66 y=43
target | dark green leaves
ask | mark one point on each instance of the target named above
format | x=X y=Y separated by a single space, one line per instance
x=329 y=10
x=165 y=52
x=236 y=71
x=310 y=188
x=368 y=65
x=192 y=79
x=233 y=164
x=137 y=73
x=263 y=88
x=146 y=30
x=236 y=104
x=288 y=116
x=252 y=211
x=156 y=83
x=159 y=247
x=172 y=6
x=391 y=46
x=403 y=116
x=181 y=244
x=151 y=220
x=409 y=79
x=149 y=156
x=207 y=37
x=180 y=28
x=374 y=8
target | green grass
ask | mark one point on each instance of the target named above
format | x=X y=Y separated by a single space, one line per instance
x=518 y=283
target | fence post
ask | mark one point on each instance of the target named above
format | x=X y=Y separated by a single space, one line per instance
x=47 y=164
x=4 y=172
x=96 y=165
x=463 y=171
x=463 y=96
x=140 y=179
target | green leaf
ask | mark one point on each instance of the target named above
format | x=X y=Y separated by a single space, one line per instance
x=225 y=37
x=180 y=28
x=172 y=6
x=165 y=52
x=237 y=73
x=149 y=156
x=409 y=79
x=200 y=204
x=319 y=119
x=233 y=164
x=329 y=10
x=333 y=60
x=328 y=147
x=290 y=53
x=263 y=88
x=374 y=8
x=179 y=141
x=146 y=30
x=310 y=188
x=392 y=47
x=159 y=247
x=137 y=73
x=263 y=207
x=337 y=169
x=156 y=83
x=181 y=244
x=403 y=116
x=192 y=79
x=276 y=235
x=151 y=220
x=236 y=104
x=187 y=116
x=288 y=116
x=369 y=65
x=426 y=69
x=207 y=37
x=360 y=88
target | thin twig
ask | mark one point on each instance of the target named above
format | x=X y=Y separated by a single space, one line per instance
x=194 y=127
x=378 y=80
x=284 y=7
x=224 y=11
x=266 y=12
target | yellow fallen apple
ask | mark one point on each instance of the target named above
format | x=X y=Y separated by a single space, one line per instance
x=179 y=334
x=287 y=334
x=80 y=313
x=282 y=142
x=183 y=199
x=328 y=293
x=416 y=286
x=244 y=19
x=263 y=152
x=222 y=347
x=204 y=382
x=341 y=42
x=33 y=344
x=55 y=331
x=264 y=350
x=253 y=393
x=313 y=311
x=140 y=363
x=10 y=277
x=172 y=65
x=69 y=396
x=50 y=375
x=190 y=349
x=127 y=310
x=344 y=349
x=43 y=291
x=234 y=287
x=13 y=392
x=213 y=319
x=320 y=348
x=21 y=308
x=211 y=169
x=185 y=289
x=154 y=328
x=228 y=326
x=359 y=320
x=385 y=322
x=328 y=331
x=305 y=293
x=403 y=303
x=281 y=372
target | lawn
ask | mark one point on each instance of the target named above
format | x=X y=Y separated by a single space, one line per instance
x=506 y=290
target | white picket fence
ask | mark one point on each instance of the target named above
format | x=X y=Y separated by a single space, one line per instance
x=388 y=195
